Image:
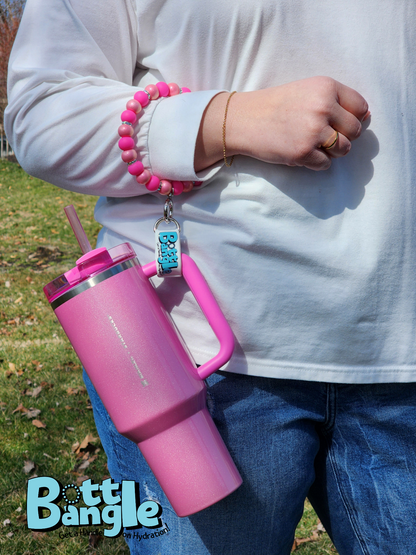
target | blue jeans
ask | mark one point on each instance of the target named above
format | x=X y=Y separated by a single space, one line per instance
x=350 y=448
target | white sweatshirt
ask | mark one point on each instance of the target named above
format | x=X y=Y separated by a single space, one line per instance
x=315 y=271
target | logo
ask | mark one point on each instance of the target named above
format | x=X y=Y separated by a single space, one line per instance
x=105 y=503
x=168 y=253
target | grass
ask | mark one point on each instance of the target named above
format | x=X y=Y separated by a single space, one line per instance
x=47 y=426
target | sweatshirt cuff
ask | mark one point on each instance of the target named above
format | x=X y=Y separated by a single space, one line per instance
x=172 y=136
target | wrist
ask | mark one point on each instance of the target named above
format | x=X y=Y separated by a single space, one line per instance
x=209 y=147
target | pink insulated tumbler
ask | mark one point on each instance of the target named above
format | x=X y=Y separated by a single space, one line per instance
x=143 y=372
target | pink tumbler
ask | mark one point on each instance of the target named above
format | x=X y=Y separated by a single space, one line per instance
x=143 y=372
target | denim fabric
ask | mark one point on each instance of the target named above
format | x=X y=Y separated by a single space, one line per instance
x=350 y=448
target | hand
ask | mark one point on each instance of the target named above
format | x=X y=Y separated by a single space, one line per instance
x=287 y=124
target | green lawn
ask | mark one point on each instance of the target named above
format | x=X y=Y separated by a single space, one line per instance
x=47 y=426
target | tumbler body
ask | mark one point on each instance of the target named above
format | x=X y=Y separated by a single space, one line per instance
x=146 y=378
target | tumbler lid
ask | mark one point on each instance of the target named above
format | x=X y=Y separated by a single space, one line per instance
x=89 y=265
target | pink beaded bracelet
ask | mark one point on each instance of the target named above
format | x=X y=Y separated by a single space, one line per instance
x=127 y=145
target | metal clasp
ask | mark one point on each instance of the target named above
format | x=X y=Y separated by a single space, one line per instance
x=168 y=208
x=168 y=244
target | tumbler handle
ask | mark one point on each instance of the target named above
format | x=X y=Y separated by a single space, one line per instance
x=211 y=310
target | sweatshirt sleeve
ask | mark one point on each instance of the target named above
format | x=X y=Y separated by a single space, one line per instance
x=71 y=72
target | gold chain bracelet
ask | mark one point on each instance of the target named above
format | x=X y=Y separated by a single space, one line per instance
x=224 y=144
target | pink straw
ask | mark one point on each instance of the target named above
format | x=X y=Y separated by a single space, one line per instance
x=77 y=229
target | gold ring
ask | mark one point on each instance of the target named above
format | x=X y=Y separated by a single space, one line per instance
x=333 y=142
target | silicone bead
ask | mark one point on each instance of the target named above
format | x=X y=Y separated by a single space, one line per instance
x=153 y=91
x=177 y=187
x=163 y=88
x=126 y=143
x=128 y=115
x=134 y=106
x=144 y=177
x=142 y=98
x=185 y=89
x=165 y=187
x=174 y=89
x=125 y=130
x=136 y=168
x=187 y=186
x=129 y=155
x=153 y=184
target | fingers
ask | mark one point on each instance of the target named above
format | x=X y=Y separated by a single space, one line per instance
x=352 y=101
x=347 y=115
x=337 y=145
x=330 y=143
x=345 y=122
x=341 y=148
x=318 y=161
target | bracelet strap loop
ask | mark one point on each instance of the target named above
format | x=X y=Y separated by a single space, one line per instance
x=126 y=142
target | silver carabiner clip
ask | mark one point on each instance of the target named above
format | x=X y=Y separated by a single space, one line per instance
x=168 y=209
